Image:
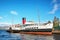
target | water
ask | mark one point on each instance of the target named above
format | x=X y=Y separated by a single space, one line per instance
x=16 y=36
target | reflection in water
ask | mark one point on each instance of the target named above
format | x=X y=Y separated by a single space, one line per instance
x=16 y=36
x=36 y=37
x=56 y=36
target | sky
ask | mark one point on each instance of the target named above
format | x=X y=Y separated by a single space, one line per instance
x=12 y=11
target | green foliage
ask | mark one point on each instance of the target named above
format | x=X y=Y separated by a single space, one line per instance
x=57 y=28
x=56 y=23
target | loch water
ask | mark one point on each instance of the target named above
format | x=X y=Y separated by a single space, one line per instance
x=17 y=36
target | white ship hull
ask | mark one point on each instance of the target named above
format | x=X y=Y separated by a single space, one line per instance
x=37 y=29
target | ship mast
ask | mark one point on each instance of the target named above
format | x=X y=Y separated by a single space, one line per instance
x=38 y=16
x=12 y=22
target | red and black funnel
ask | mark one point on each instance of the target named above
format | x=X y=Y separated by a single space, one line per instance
x=23 y=20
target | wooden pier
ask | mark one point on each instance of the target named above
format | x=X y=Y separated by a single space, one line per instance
x=56 y=31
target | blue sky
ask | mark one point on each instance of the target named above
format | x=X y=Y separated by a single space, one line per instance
x=17 y=9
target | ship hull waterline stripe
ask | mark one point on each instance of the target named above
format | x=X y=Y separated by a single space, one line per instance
x=37 y=30
x=37 y=33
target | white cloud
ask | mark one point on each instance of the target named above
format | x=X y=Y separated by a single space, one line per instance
x=54 y=1
x=14 y=12
x=5 y=23
x=1 y=17
x=55 y=7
